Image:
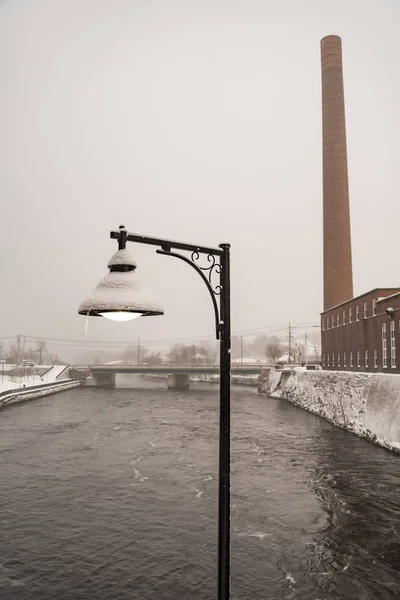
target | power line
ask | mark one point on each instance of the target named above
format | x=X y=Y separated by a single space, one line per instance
x=152 y=343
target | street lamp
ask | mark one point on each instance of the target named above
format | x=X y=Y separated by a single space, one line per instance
x=120 y=297
x=3 y=362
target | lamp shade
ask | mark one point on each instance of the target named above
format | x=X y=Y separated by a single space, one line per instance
x=119 y=295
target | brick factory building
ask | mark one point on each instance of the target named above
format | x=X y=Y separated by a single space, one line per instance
x=362 y=333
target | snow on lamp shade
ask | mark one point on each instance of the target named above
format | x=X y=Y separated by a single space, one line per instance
x=119 y=296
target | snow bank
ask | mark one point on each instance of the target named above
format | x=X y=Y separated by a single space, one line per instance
x=25 y=394
x=250 y=380
x=366 y=404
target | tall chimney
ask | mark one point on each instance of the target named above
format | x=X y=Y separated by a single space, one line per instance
x=338 y=272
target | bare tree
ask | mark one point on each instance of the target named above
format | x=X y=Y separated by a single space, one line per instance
x=41 y=347
x=207 y=354
x=13 y=351
x=154 y=358
x=182 y=355
x=273 y=351
x=191 y=354
x=175 y=356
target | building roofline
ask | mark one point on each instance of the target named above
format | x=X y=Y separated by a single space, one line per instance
x=388 y=297
x=380 y=289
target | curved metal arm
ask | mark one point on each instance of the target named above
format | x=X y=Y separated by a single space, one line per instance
x=204 y=278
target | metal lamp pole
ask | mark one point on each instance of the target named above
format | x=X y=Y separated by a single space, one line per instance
x=218 y=263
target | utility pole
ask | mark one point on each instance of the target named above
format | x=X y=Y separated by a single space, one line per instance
x=18 y=348
x=138 y=351
x=290 y=342
x=305 y=345
x=241 y=349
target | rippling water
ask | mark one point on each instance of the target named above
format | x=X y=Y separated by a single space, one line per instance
x=112 y=495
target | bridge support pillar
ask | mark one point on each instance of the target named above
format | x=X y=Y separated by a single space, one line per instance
x=178 y=382
x=104 y=379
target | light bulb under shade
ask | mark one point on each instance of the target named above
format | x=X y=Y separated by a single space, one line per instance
x=120 y=315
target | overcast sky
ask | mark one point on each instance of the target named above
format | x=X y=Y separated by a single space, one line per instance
x=198 y=120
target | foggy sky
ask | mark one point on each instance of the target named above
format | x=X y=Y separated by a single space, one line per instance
x=196 y=120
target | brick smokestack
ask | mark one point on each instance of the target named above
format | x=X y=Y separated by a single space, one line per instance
x=338 y=271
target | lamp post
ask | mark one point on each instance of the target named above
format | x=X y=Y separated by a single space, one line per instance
x=3 y=360
x=119 y=297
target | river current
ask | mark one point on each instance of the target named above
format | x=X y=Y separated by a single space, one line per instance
x=112 y=495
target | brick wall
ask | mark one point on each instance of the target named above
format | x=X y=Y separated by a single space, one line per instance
x=363 y=333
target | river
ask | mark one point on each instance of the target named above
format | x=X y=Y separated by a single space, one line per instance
x=112 y=495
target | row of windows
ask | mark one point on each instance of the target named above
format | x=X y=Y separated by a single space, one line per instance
x=334 y=359
x=337 y=356
x=330 y=321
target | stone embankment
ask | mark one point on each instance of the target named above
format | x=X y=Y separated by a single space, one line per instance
x=32 y=393
x=367 y=404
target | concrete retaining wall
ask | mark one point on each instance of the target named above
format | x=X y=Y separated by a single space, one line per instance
x=366 y=404
x=34 y=392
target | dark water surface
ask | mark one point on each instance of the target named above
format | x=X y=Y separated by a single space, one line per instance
x=112 y=495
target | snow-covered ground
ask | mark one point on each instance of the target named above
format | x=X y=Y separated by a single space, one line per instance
x=251 y=380
x=15 y=383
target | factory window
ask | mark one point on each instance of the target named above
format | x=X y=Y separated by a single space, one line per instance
x=351 y=359
x=323 y=360
x=384 y=346
x=333 y=359
x=337 y=320
x=344 y=359
x=365 y=310
x=375 y=359
x=344 y=317
x=350 y=315
x=338 y=359
x=327 y=322
x=373 y=307
x=358 y=358
x=366 y=359
x=392 y=345
x=357 y=313
x=323 y=324
x=333 y=321
x=329 y=360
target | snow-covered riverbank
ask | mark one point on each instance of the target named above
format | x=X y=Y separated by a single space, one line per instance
x=367 y=404
x=32 y=393
x=250 y=380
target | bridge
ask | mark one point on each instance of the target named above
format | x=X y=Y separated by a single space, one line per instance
x=178 y=375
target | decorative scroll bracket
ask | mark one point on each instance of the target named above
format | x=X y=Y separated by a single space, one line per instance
x=214 y=267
